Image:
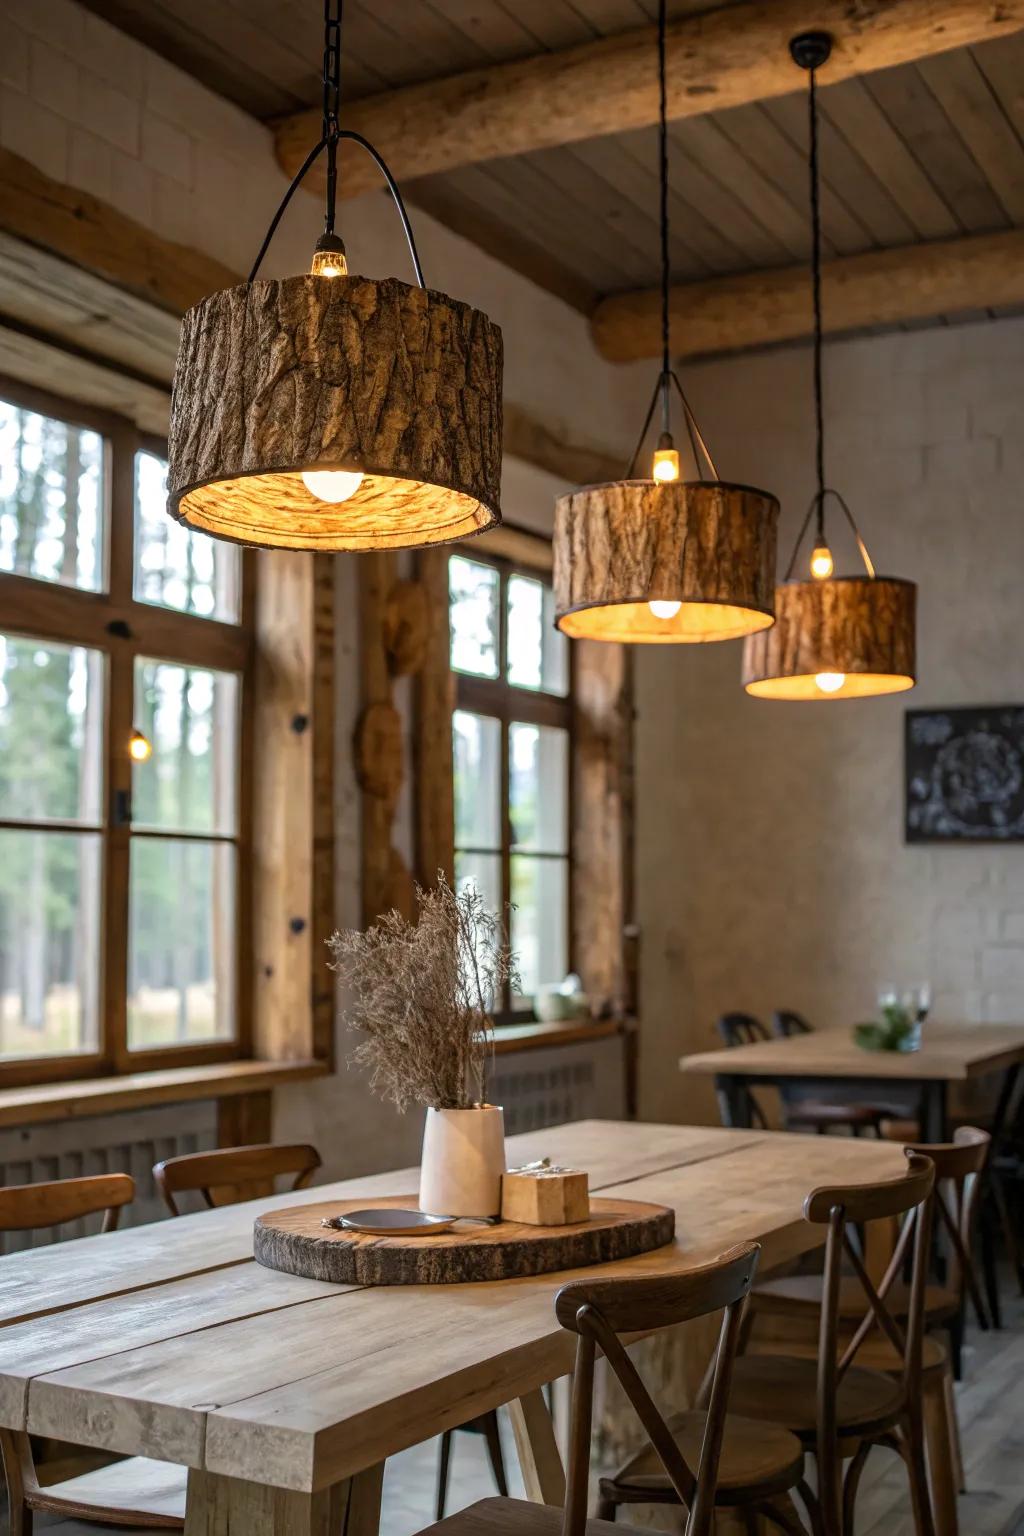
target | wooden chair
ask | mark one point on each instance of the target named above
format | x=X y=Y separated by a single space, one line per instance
x=134 y=1492
x=743 y=1029
x=959 y=1166
x=598 y=1312
x=233 y=1173
x=855 y=1388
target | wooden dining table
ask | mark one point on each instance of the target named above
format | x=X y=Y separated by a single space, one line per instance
x=283 y=1397
x=827 y=1064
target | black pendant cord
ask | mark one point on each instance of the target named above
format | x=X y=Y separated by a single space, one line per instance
x=667 y=377
x=331 y=136
x=819 y=397
x=663 y=210
x=810 y=50
x=332 y=102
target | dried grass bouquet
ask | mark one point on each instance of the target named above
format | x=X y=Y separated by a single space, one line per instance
x=421 y=997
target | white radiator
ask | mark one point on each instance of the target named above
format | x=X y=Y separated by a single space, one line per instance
x=126 y=1143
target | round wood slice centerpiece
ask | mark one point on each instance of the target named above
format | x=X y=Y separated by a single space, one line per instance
x=296 y=1241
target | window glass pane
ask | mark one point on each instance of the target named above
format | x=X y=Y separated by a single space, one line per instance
x=476 y=743
x=52 y=499
x=189 y=715
x=538 y=782
x=174 y=567
x=181 y=948
x=540 y=920
x=538 y=653
x=473 y=594
x=51 y=724
x=49 y=942
x=482 y=871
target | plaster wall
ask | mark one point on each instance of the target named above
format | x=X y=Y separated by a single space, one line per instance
x=771 y=869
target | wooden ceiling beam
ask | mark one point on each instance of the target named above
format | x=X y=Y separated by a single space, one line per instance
x=77 y=274
x=753 y=309
x=721 y=58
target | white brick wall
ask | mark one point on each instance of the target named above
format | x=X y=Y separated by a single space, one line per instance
x=772 y=870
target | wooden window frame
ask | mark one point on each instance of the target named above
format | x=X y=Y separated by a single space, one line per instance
x=119 y=626
x=508 y=703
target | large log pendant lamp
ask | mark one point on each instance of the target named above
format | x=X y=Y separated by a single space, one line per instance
x=834 y=637
x=664 y=561
x=331 y=411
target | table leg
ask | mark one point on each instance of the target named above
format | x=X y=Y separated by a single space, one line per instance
x=229 y=1506
x=733 y=1101
x=934 y=1118
x=541 y=1464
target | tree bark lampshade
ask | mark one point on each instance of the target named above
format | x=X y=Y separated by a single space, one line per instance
x=277 y=378
x=708 y=546
x=860 y=629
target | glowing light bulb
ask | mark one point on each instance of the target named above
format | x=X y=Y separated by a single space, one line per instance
x=140 y=748
x=332 y=484
x=830 y=682
x=664 y=608
x=822 y=564
x=666 y=464
x=329 y=258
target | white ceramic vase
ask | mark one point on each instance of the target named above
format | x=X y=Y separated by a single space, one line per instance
x=463 y=1161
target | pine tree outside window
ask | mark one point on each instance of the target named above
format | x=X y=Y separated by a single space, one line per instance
x=124 y=932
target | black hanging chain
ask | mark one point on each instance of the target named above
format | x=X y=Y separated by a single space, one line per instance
x=332 y=102
x=819 y=397
x=330 y=137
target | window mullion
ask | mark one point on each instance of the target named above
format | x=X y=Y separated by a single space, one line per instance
x=114 y=992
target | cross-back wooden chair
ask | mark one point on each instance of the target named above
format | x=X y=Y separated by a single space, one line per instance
x=598 y=1311
x=787 y=1022
x=133 y=1492
x=841 y=1396
x=232 y=1174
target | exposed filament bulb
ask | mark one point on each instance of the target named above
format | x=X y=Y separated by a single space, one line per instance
x=329 y=257
x=822 y=564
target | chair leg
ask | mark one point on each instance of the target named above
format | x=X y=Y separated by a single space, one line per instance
x=938 y=1437
x=917 y=1473
x=783 y=1514
x=990 y=1275
x=607 y=1509
x=1006 y=1221
x=493 y=1438
x=442 y=1472
x=12 y=1449
x=852 y=1483
x=955 y=1447
x=956 y=1343
x=811 y=1505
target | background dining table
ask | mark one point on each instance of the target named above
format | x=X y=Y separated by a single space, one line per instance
x=283 y=1397
x=826 y=1064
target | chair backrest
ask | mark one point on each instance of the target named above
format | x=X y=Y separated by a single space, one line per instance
x=598 y=1311
x=958 y=1167
x=840 y=1208
x=234 y=1173
x=28 y=1207
x=786 y=1022
x=741 y=1029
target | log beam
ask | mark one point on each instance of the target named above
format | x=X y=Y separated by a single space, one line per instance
x=754 y=309
x=719 y=59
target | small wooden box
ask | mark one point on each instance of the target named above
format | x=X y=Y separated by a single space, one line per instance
x=544 y=1199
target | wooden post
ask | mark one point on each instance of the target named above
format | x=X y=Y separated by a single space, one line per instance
x=433 y=703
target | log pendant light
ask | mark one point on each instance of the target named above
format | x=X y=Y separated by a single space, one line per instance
x=834 y=637
x=664 y=561
x=336 y=412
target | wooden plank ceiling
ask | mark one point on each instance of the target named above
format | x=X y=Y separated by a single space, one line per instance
x=919 y=152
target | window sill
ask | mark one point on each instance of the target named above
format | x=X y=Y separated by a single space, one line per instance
x=172 y=1085
x=529 y=1037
